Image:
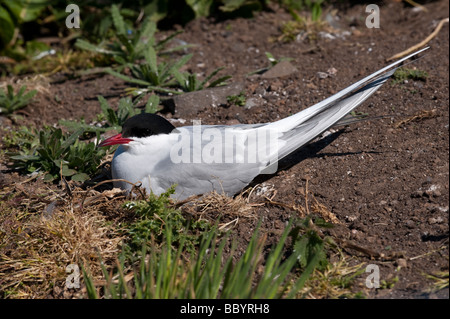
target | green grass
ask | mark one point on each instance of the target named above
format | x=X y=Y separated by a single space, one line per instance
x=167 y=256
x=170 y=272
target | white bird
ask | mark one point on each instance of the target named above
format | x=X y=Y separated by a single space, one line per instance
x=203 y=158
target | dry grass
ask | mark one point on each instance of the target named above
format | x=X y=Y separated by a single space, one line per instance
x=333 y=282
x=230 y=210
x=323 y=211
x=420 y=116
x=439 y=279
x=304 y=28
x=44 y=228
x=39 y=239
x=311 y=206
x=40 y=83
x=214 y=206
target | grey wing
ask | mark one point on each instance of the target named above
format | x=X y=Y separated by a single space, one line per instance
x=215 y=158
x=200 y=178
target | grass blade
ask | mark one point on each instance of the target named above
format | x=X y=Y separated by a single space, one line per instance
x=118 y=21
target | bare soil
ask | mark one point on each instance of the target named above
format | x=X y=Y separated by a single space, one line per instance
x=385 y=180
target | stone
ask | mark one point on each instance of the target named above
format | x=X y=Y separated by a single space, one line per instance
x=188 y=104
x=281 y=69
x=253 y=101
x=401 y=262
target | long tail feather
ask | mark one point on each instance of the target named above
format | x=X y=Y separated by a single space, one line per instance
x=306 y=125
x=301 y=117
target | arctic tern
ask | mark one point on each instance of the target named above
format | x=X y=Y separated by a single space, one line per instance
x=203 y=158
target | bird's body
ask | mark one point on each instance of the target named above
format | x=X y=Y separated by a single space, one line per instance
x=200 y=158
x=158 y=162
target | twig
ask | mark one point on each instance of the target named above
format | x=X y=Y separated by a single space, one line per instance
x=415 y=4
x=135 y=186
x=290 y=207
x=428 y=253
x=191 y=198
x=366 y=251
x=424 y=114
x=235 y=221
x=306 y=197
x=421 y=44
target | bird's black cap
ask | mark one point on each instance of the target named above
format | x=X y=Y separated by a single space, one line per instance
x=146 y=124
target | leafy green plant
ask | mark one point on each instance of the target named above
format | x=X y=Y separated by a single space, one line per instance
x=242 y=7
x=189 y=81
x=10 y=102
x=153 y=214
x=111 y=119
x=168 y=273
x=306 y=26
x=151 y=75
x=238 y=100
x=58 y=154
x=129 y=44
x=316 y=8
x=15 y=13
x=24 y=139
x=201 y=8
x=312 y=6
x=403 y=74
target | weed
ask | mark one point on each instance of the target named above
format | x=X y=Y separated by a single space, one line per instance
x=129 y=45
x=10 y=102
x=304 y=27
x=151 y=75
x=238 y=100
x=312 y=6
x=440 y=280
x=24 y=139
x=162 y=76
x=57 y=154
x=110 y=119
x=153 y=215
x=388 y=283
x=403 y=74
x=189 y=81
x=334 y=281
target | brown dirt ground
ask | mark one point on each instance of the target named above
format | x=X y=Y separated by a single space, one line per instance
x=387 y=185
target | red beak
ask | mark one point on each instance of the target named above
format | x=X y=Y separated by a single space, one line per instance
x=115 y=139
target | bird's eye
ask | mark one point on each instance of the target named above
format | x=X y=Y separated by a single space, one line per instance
x=142 y=132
